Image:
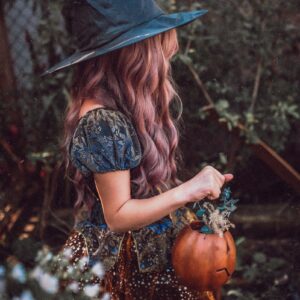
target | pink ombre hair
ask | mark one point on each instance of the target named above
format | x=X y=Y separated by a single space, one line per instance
x=137 y=81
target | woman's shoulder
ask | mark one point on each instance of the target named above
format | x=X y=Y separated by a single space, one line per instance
x=105 y=124
x=105 y=139
x=102 y=115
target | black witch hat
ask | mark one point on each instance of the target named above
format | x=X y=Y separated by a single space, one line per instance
x=101 y=26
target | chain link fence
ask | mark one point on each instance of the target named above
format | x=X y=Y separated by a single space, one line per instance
x=21 y=19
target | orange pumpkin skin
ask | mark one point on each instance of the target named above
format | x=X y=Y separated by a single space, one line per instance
x=203 y=261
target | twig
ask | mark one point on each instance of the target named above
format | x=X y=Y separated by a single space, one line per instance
x=189 y=41
x=256 y=85
x=45 y=205
x=8 y=149
x=200 y=83
x=206 y=108
x=59 y=219
x=53 y=224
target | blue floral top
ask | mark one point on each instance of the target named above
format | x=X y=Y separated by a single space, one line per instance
x=105 y=140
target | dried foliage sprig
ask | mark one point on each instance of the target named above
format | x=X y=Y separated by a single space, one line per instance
x=216 y=218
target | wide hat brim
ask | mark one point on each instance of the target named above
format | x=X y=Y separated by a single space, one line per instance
x=138 y=33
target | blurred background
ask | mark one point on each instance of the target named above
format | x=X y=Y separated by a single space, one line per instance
x=237 y=73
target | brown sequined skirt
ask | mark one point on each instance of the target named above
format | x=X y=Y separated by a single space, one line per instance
x=125 y=282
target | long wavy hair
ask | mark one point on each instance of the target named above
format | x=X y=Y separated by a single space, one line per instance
x=137 y=80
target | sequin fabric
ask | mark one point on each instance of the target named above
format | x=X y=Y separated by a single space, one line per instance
x=137 y=263
x=125 y=282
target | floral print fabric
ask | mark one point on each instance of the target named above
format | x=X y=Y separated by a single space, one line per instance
x=104 y=140
x=153 y=242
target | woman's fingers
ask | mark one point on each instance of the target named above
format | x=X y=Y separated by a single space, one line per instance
x=228 y=177
x=214 y=194
x=219 y=182
x=208 y=183
x=220 y=176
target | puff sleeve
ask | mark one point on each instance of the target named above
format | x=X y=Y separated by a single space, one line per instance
x=104 y=140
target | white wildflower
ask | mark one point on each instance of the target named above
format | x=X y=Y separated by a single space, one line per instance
x=91 y=290
x=2 y=286
x=49 y=283
x=67 y=253
x=73 y=286
x=48 y=256
x=70 y=269
x=42 y=252
x=2 y=271
x=36 y=273
x=106 y=296
x=26 y=295
x=82 y=261
x=19 y=273
x=98 y=270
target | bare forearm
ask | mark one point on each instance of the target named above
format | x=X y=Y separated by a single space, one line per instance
x=136 y=213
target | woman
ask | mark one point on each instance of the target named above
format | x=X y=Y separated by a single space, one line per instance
x=121 y=142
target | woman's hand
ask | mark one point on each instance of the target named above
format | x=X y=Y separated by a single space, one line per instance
x=207 y=183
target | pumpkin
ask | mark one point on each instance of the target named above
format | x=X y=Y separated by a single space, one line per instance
x=203 y=261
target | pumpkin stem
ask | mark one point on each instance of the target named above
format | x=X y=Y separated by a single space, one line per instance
x=195 y=225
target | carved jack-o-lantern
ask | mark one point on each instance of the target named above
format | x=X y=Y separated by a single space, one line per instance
x=203 y=261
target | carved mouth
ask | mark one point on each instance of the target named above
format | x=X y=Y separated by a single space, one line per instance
x=224 y=270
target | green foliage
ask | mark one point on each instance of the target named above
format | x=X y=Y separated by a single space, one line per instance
x=43 y=108
x=245 y=53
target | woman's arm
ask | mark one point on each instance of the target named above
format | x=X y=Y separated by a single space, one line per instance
x=122 y=213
